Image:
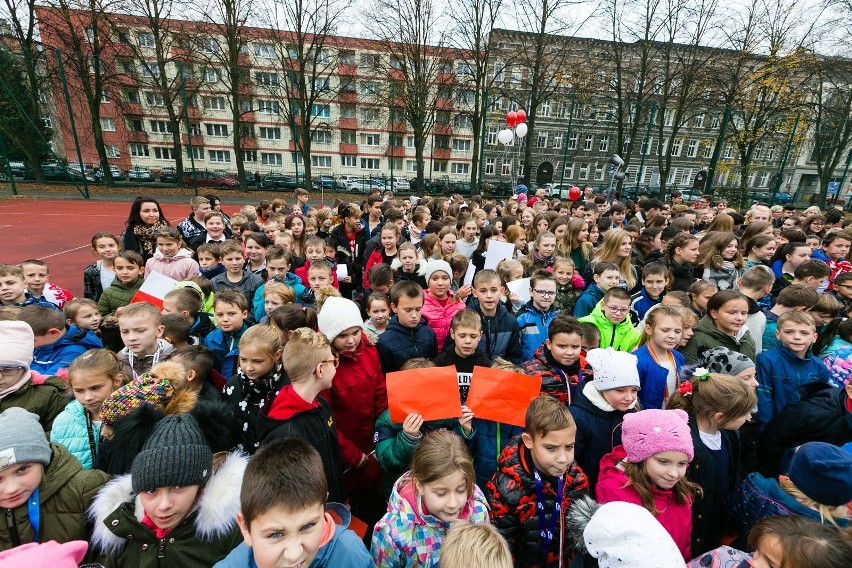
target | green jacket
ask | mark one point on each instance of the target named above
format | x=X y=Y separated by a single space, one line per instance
x=707 y=337
x=117 y=295
x=202 y=539
x=621 y=337
x=46 y=400
x=65 y=493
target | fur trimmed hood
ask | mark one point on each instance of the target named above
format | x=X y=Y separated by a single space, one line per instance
x=421 y=266
x=214 y=515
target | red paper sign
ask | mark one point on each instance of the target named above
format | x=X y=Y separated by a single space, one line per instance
x=432 y=393
x=501 y=396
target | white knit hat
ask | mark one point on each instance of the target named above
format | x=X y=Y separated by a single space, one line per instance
x=16 y=344
x=613 y=369
x=624 y=535
x=438 y=266
x=337 y=315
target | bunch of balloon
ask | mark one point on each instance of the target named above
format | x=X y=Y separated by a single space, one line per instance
x=516 y=127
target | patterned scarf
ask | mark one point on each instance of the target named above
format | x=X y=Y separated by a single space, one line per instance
x=257 y=394
x=145 y=235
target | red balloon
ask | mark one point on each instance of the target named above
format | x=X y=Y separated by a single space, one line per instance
x=521 y=115
x=511 y=118
x=574 y=193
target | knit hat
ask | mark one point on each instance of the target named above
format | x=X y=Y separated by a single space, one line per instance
x=176 y=453
x=142 y=390
x=51 y=553
x=823 y=472
x=337 y=315
x=724 y=361
x=625 y=535
x=653 y=431
x=17 y=341
x=22 y=438
x=434 y=266
x=613 y=369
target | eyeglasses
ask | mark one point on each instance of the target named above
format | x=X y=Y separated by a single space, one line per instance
x=10 y=371
x=615 y=310
x=545 y=293
x=335 y=361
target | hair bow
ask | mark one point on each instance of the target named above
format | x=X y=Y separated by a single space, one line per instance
x=685 y=388
x=700 y=374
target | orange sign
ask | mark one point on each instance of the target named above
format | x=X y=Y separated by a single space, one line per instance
x=501 y=396
x=432 y=393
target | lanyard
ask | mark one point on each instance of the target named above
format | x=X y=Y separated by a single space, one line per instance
x=657 y=361
x=34 y=512
x=92 y=446
x=545 y=532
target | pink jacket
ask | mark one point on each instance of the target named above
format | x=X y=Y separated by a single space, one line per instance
x=676 y=518
x=440 y=317
x=179 y=267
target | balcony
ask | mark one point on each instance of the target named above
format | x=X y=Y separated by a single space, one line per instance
x=445 y=78
x=442 y=130
x=348 y=124
x=248 y=143
x=395 y=75
x=197 y=140
x=444 y=104
x=441 y=153
x=137 y=136
x=397 y=126
x=193 y=112
x=348 y=97
x=347 y=70
x=348 y=148
x=132 y=109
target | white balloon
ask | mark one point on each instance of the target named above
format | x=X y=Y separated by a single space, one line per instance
x=521 y=130
x=505 y=136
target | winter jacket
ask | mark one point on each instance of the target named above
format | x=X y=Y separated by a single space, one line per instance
x=837 y=358
x=640 y=303
x=343 y=550
x=353 y=259
x=376 y=257
x=568 y=294
x=357 y=398
x=780 y=374
x=179 y=267
x=653 y=378
x=118 y=295
x=707 y=337
x=190 y=228
x=204 y=537
x=92 y=285
x=533 y=262
x=71 y=429
x=48 y=359
x=259 y=302
x=683 y=275
x=439 y=317
x=136 y=366
x=587 y=302
x=399 y=343
x=226 y=350
x=291 y=415
x=501 y=336
x=488 y=442
x=44 y=397
x=756 y=324
x=722 y=557
x=200 y=328
x=598 y=430
x=769 y=341
x=511 y=493
x=247 y=398
x=614 y=485
x=249 y=284
x=824 y=414
x=620 y=336
x=556 y=381
x=533 y=325
x=418 y=276
x=464 y=367
x=211 y=273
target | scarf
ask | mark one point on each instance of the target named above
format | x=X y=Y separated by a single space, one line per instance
x=145 y=235
x=257 y=394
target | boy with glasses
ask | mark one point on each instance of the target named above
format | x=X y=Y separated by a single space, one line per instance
x=535 y=317
x=610 y=317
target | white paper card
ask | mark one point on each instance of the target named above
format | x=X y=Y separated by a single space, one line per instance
x=521 y=288
x=342 y=271
x=497 y=251
x=468 y=277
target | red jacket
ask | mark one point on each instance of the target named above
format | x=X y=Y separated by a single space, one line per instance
x=375 y=258
x=302 y=272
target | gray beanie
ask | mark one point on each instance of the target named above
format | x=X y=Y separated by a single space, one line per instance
x=176 y=453
x=437 y=265
x=724 y=361
x=22 y=439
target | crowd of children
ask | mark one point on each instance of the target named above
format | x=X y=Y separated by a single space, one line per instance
x=694 y=405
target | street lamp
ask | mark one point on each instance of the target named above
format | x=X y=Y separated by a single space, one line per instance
x=617 y=174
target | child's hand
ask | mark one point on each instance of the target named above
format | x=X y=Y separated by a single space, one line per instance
x=514 y=297
x=413 y=423
x=347 y=280
x=465 y=291
x=466 y=420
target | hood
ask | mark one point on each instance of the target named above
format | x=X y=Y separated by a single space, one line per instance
x=75 y=336
x=419 y=267
x=705 y=324
x=179 y=255
x=596 y=403
x=291 y=280
x=214 y=515
x=366 y=341
x=819 y=254
x=408 y=506
x=288 y=404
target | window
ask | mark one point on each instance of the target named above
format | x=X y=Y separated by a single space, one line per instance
x=197 y=153
x=217 y=130
x=154 y=99
x=211 y=75
x=587 y=142
x=439 y=166
x=692 y=148
x=347 y=58
x=562 y=109
x=708 y=150
x=161 y=126
x=698 y=121
x=729 y=152
x=770 y=153
x=584 y=171
x=442 y=117
x=370 y=114
x=264 y=50
x=541 y=140
x=348 y=160
x=409 y=142
x=572 y=141
x=370 y=163
x=686 y=176
x=505 y=168
x=194 y=129
x=104 y=97
x=410 y=165
x=208 y=45
x=676 y=147
x=107 y=124
x=492 y=136
x=459 y=168
x=599 y=172
x=758 y=150
x=557 y=140
x=135 y=125
x=348 y=85
x=369 y=88
x=716 y=122
x=268 y=132
x=668 y=118
x=214 y=103
x=112 y=151
x=266 y=78
x=321 y=111
x=395 y=140
x=348 y=137
x=150 y=70
x=164 y=153
x=569 y=170
x=371 y=139
x=603 y=143
x=442 y=142
x=144 y=40
x=371 y=60
x=321 y=136
x=463 y=121
x=545 y=108
x=764 y=179
x=249 y=156
x=268 y=107
x=246 y=131
x=348 y=111
x=489 y=166
x=321 y=161
x=465 y=96
x=461 y=144
x=271 y=159
x=131 y=96
x=223 y=156
x=137 y=150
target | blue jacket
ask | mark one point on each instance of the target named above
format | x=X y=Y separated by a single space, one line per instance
x=344 y=550
x=769 y=339
x=226 y=350
x=69 y=429
x=587 y=302
x=640 y=303
x=533 y=324
x=489 y=439
x=654 y=378
x=259 y=307
x=398 y=344
x=501 y=336
x=780 y=374
x=48 y=359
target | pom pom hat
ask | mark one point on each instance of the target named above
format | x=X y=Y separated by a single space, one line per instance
x=650 y=432
x=613 y=369
x=337 y=315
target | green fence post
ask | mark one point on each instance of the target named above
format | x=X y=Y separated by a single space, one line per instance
x=73 y=126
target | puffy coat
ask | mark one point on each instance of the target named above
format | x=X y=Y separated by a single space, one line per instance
x=440 y=317
x=501 y=336
x=781 y=373
x=653 y=378
x=203 y=538
x=560 y=383
x=65 y=492
x=614 y=485
x=399 y=343
x=180 y=266
x=588 y=300
x=598 y=430
x=707 y=337
x=488 y=442
x=620 y=336
x=568 y=294
x=409 y=536
x=533 y=325
x=44 y=397
x=49 y=359
x=226 y=350
x=117 y=295
x=837 y=358
x=511 y=493
x=70 y=429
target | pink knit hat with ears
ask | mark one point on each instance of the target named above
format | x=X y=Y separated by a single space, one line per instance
x=52 y=553
x=652 y=432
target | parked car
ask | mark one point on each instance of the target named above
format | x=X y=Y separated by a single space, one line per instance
x=342 y=182
x=209 y=179
x=115 y=172
x=399 y=184
x=278 y=180
x=58 y=172
x=364 y=185
x=168 y=175
x=139 y=173
x=326 y=182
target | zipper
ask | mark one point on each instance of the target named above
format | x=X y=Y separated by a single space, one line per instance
x=161 y=549
x=13 y=528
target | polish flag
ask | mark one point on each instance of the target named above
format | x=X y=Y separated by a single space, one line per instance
x=154 y=289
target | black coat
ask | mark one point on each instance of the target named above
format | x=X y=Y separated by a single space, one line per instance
x=398 y=344
x=683 y=276
x=343 y=254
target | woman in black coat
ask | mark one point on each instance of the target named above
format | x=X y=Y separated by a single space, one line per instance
x=145 y=219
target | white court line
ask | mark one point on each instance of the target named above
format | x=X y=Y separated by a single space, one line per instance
x=64 y=251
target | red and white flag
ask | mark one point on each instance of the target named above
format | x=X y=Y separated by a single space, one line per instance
x=154 y=289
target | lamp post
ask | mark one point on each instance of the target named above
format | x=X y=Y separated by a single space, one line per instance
x=565 y=140
x=617 y=175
